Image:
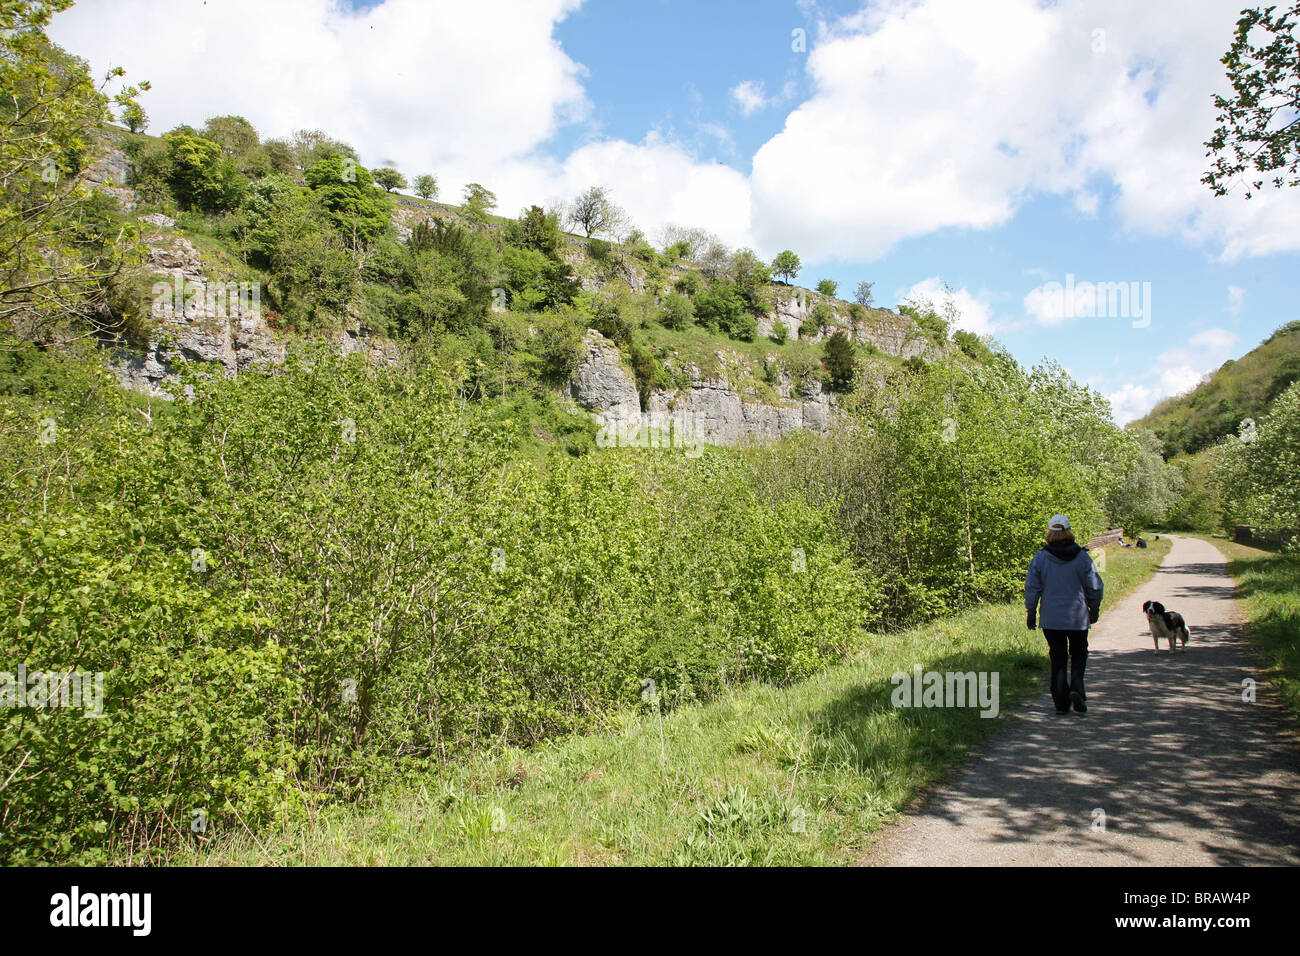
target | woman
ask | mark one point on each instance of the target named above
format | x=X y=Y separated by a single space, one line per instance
x=1061 y=575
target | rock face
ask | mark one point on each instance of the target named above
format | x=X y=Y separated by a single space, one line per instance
x=197 y=319
x=602 y=385
x=889 y=332
x=110 y=174
x=708 y=410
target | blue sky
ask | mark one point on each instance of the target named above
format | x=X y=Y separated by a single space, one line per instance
x=994 y=147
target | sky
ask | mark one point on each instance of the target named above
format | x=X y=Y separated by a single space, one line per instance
x=1035 y=158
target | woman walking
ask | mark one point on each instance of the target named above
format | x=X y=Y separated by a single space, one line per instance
x=1062 y=577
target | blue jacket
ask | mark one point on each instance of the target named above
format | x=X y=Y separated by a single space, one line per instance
x=1063 y=578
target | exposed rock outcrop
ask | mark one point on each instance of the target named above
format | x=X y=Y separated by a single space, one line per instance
x=707 y=410
x=196 y=319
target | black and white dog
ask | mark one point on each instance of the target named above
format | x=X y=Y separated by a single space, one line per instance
x=1166 y=624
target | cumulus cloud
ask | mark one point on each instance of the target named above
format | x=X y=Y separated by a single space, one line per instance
x=749 y=97
x=430 y=85
x=1132 y=401
x=1173 y=372
x=946 y=114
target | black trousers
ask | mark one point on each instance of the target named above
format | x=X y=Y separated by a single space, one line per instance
x=1069 y=653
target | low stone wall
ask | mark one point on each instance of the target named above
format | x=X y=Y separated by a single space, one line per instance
x=1106 y=538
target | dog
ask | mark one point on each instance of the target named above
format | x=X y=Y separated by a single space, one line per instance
x=1165 y=624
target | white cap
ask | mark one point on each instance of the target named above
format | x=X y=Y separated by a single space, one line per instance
x=1059 y=522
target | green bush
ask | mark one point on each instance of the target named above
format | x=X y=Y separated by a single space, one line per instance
x=380 y=589
x=722 y=307
x=200 y=176
x=676 y=311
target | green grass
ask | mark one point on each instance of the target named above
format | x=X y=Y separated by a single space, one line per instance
x=728 y=782
x=1268 y=584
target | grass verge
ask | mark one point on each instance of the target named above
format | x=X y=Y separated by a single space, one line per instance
x=801 y=775
x=1268 y=583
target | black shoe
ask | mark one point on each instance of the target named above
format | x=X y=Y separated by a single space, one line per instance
x=1080 y=705
x=1060 y=711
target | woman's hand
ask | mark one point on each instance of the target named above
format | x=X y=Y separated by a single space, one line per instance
x=1029 y=619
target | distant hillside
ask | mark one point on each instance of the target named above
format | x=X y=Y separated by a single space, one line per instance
x=1240 y=388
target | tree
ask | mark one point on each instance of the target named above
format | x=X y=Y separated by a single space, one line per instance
x=676 y=311
x=1143 y=491
x=827 y=286
x=722 y=307
x=817 y=321
x=346 y=192
x=1258 y=127
x=537 y=229
x=389 y=178
x=1259 y=469
x=426 y=186
x=234 y=134
x=278 y=156
x=593 y=212
x=685 y=242
x=838 y=353
x=135 y=118
x=714 y=259
x=200 y=176
x=310 y=146
x=751 y=277
x=56 y=265
x=477 y=201
x=863 y=294
x=536 y=281
x=786 y=266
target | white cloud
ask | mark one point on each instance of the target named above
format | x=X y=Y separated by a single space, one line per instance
x=1217 y=341
x=1236 y=299
x=749 y=97
x=947 y=114
x=1173 y=372
x=974 y=314
x=428 y=85
x=1133 y=401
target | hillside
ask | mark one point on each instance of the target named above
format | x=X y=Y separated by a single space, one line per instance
x=692 y=336
x=1239 y=389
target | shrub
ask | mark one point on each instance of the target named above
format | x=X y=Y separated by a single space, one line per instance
x=200 y=176
x=721 y=307
x=689 y=283
x=838 y=351
x=381 y=590
x=676 y=311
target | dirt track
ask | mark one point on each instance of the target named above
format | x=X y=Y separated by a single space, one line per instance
x=1185 y=772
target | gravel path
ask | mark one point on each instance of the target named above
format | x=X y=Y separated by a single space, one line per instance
x=1185 y=772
